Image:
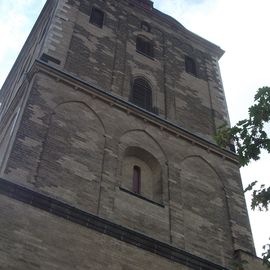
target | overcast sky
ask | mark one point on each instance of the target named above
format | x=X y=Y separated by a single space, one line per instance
x=240 y=27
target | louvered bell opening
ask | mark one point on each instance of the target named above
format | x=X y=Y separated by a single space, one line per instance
x=142 y=94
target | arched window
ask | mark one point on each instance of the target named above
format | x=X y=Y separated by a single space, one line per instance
x=190 y=66
x=144 y=46
x=136 y=179
x=142 y=94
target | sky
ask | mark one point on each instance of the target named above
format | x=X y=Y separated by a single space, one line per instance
x=240 y=27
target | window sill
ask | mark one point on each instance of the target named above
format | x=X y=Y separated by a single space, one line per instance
x=97 y=25
x=146 y=55
x=141 y=197
x=193 y=74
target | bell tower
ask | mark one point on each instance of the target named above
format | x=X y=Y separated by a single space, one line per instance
x=108 y=161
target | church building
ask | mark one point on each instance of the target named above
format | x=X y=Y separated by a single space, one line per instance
x=108 y=158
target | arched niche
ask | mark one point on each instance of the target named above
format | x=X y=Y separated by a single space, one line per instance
x=71 y=160
x=150 y=179
x=207 y=229
x=139 y=149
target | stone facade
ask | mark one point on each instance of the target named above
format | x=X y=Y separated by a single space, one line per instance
x=71 y=136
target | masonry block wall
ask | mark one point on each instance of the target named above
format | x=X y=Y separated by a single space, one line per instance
x=13 y=91
x=77 y=137
x=68 y=146
x=61 y=244
x=107 y=57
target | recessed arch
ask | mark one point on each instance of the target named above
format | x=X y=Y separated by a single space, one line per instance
x=138 y=148
x=141 y=173
x=205 y=207
x=71 y=160
x=208 y=164
x=84 y=104
x=148 y=135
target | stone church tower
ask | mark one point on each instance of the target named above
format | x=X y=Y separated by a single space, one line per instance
x=107 y=157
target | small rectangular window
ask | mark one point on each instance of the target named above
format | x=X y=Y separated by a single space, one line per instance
x=190 y=66
x=144 y=46
x=97 y=17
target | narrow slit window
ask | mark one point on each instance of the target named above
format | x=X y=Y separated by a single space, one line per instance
x=136 y=180
x=145 y=46
x=190 y=66
x=97 y=17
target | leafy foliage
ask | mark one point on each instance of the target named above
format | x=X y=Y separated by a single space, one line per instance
x=266 y=255
x=261 y=198
x=250 y=138
x=249 y=134
x=239 y=264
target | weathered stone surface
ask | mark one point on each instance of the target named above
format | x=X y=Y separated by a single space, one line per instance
x=250 y=262
x=70 y=147
x=70 y=131
x=61 y=244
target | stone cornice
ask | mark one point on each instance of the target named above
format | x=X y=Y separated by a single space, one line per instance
x=103 y=226
x=118 y=102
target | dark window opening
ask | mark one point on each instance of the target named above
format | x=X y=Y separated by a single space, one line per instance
x=142 y=94
x=145 y=46
x=136 y=180
x=145 y=27
x=97 y=17
x=190 y=66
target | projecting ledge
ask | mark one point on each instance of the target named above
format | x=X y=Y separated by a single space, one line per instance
x=98 y=224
